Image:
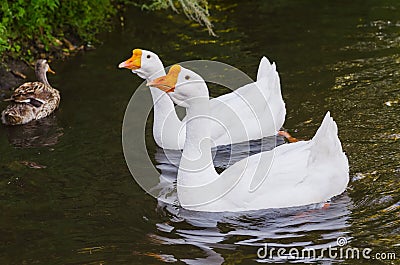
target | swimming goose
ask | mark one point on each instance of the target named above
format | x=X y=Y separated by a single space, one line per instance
x=32 y=100
x=295 y=174
x=248 y=113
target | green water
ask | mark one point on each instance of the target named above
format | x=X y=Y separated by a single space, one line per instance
x=82 y=206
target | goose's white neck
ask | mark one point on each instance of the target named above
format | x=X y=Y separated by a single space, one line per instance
x=166 y=121
x=196 y=166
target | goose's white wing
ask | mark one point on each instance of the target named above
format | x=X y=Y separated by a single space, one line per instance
x=251 y=112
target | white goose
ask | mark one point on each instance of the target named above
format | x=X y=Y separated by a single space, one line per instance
x=248 y=113
x=294 y=174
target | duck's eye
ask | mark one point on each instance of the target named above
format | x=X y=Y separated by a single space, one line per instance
x=148 y=56
x=187 y=77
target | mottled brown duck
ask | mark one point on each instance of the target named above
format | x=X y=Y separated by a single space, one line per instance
x=32 y=100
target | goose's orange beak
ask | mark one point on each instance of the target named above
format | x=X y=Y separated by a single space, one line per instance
x=134 y=62
x=168 y=82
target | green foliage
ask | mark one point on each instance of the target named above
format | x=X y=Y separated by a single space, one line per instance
x=28 y=28
x=86 y=18
x=38 y=23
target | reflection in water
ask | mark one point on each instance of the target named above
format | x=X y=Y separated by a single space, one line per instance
x=213 y=233
x=309 y=226
x=37 y=133
x=223 y=156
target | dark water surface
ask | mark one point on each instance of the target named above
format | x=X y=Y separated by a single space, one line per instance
x=67 y=197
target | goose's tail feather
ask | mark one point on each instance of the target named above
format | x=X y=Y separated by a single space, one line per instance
x=269 y=82
x=265 y=68
x=326 y=143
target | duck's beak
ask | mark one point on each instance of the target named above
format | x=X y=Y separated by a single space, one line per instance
x=134 y=62
x=51 y=71
x=168 y=82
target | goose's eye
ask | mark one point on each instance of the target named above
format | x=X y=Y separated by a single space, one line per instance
x=148 y=56
x=187 y=77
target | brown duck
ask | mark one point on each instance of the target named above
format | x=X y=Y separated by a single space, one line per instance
x=32 y=100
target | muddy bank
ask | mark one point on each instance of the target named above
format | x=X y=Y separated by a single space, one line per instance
x=12 y=75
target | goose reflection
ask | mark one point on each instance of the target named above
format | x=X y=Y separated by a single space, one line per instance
x=38 y=133
x=242 y=235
